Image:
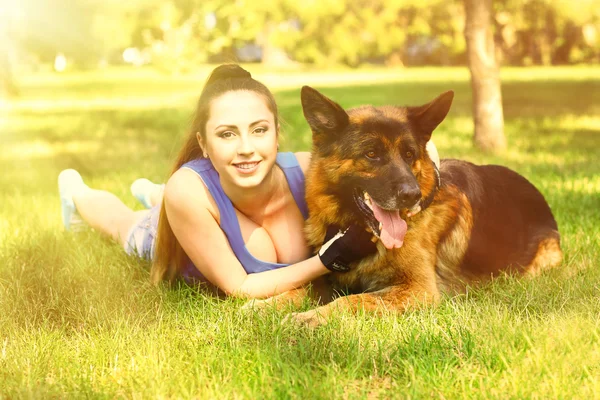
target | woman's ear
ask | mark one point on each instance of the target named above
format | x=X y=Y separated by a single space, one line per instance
x=201 y=144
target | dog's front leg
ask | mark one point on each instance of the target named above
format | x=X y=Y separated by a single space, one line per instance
x=394 y=299
x=293 y=297
x=416 y=286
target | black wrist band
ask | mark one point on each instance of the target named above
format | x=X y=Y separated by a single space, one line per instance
x=334 y=264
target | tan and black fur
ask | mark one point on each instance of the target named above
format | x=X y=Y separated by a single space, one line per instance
x=483 y=219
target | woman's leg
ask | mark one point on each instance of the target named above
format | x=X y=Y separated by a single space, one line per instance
x=156 y=197
x=106 y=213
x=147 y=192
x=100 y=209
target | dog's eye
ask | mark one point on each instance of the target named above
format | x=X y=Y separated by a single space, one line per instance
x=409 y=155
x=371 y=155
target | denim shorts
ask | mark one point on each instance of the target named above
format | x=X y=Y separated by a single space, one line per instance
x=142 y=236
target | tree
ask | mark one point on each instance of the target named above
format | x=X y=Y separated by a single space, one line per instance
x=391 y=31
x=485 y=76
x=7 y=81
x=534 y=32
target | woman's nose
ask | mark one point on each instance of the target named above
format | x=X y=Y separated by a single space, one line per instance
x=245 y=146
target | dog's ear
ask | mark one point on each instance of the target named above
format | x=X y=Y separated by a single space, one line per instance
x=323 y=115
x=428 y=116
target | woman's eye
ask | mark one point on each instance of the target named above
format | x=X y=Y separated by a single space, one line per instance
x=227 y=134
x=371 y=155
x=260 y=131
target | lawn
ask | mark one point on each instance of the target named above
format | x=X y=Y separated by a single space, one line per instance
x=79 y=318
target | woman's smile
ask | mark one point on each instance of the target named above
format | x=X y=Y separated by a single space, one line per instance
x=246 y=167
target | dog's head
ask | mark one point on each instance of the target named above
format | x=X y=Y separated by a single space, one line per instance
x=374 y=158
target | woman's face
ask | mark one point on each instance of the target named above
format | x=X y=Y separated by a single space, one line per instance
x=241 y=138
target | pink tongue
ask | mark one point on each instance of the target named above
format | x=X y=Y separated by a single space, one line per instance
x=394 y=228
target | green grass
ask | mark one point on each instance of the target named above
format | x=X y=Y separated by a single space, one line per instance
x=78 y=318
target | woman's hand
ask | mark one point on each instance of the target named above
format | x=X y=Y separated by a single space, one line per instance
x=342 y=247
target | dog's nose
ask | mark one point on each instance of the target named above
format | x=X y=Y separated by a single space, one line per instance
x=409 y=195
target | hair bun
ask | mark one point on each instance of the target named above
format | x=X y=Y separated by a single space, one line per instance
x=228 y=71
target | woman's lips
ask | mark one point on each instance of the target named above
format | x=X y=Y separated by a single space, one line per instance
x=246 y=167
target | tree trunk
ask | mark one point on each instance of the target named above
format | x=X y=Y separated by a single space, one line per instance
x=7 y=82
x=485 y=76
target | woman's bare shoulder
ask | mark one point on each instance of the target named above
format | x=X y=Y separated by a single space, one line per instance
x=303 y=158
x=186 y=189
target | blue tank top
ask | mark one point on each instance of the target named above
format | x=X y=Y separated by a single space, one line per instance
x=229 y=222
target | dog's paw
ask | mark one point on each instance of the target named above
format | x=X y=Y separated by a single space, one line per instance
x=311 y=319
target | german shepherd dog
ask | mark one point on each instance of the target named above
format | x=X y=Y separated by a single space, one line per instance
x=437 y=230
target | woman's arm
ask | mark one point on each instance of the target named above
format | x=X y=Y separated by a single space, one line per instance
x=269 y=283
x=303 y=158
x=192 y=217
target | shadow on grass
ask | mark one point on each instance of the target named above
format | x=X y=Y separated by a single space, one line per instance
x=71 y=282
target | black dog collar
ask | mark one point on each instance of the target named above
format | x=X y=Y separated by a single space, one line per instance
x=426 y=202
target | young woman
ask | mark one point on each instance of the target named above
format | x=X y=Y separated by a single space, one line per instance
x=233 y=209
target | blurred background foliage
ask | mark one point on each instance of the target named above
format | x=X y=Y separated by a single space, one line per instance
x=178 y=35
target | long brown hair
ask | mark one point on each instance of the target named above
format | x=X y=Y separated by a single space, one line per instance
x=169 y=256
